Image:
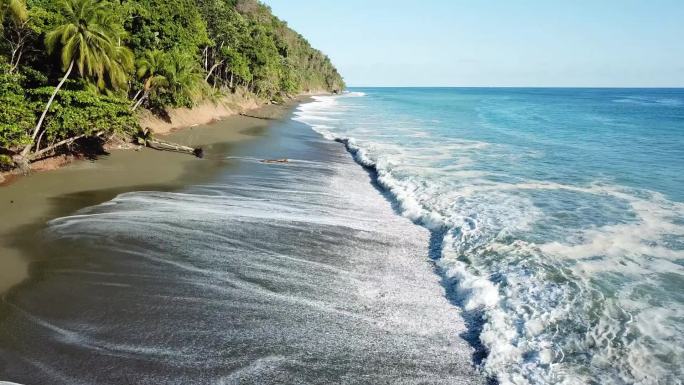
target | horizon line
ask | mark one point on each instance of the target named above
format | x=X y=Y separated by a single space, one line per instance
x=538 y=87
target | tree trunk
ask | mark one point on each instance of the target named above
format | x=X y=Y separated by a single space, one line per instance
x=15 y=65
x=40 y=139
x=14 y=60
x=37 y=154
x=139 y=102
x=17 y=34
x=135 y=97
x=27 y=149
x=212 y=70
x=231 y=79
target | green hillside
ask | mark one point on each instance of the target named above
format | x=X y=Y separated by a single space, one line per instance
x=79 y=69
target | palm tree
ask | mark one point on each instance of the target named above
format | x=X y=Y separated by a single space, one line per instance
x=119 y=65
x=185 y=76
x=151 y=66
x=15 y=8
x=90 y=40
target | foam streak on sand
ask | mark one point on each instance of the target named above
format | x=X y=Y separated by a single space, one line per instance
x=573 y=280
x=30 y=201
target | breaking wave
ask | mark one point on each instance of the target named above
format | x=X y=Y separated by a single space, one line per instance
x=556 y=302
x=643 y=101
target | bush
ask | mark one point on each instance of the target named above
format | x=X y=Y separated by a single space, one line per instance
x=5 y=161
x=84 y=112
x=16 y=113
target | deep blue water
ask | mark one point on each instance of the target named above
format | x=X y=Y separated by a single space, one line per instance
x=558 y=215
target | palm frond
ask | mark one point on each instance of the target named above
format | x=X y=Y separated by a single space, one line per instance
x=90 y=37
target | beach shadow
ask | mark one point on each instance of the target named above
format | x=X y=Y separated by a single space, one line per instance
x=254 y=131
x=161 y=113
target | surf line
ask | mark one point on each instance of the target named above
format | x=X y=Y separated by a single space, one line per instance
x=473 y=318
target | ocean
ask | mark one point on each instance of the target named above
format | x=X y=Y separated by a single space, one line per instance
x=413 y=236
x=556 y=218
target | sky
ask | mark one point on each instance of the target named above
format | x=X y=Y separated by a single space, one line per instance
x=546 y=43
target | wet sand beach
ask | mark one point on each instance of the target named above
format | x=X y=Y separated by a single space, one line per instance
x=29 y=202
x=296 y=272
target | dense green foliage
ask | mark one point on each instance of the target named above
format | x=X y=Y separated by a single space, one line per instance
x=16 y=115
x=74 y=68
x=77 y=112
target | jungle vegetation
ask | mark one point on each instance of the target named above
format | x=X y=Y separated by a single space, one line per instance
x=72 y=70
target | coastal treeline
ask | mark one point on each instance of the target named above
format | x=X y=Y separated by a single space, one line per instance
x=77 y=71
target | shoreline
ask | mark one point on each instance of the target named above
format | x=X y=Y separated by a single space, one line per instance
x=31 y=201
x=308 y=256
x=175 y=119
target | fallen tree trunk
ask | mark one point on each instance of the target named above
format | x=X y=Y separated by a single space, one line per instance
x=256 y=117
x=35 y=155
x=169 y=146
x=23 y=163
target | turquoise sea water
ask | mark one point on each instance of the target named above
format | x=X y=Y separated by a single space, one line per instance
x=557 y=218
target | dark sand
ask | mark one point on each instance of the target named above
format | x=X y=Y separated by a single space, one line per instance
x=28 y=203
x=262 y=273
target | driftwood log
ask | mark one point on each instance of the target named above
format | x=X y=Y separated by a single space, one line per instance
x=284 y=160
x=257 y=117
x=169 y=146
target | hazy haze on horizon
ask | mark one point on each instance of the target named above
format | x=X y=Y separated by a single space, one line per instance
x=496 y=43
